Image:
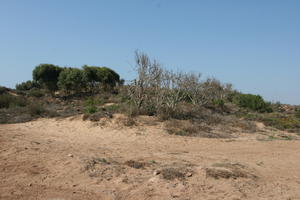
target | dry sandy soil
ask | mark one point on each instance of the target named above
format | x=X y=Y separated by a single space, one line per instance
x=62 y=159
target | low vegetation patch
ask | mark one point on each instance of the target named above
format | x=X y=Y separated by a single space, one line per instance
x=282 y=122
x=95 y=117
x=35 y=93
x=28 y=85
x=36 y=109
x=173 y=173
x=229 y=170
x=209 y=128
x=252 y=102
x=135 y=164
x=189 y=104
x=185 y=128
x=10 y=101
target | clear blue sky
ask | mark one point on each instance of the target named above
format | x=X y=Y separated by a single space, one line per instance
x=254 y=44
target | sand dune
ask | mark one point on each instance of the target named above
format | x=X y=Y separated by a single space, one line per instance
x=62 y=159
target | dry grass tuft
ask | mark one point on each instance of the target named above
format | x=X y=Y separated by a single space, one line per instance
x=135 y=164
x=173 y=173
x=229 y=170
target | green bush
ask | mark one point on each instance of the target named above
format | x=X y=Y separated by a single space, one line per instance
x=219 y=102
x=282 y=122
x=35 y=93
x=253 y=102
x=112 y=108
x=91 y=109
x=28 y=85
x=92 y=101
x=9 y=101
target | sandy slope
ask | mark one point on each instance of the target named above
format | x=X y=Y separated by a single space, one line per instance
x=62 y=159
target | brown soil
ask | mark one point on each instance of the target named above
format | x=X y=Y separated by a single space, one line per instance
x=62 y=159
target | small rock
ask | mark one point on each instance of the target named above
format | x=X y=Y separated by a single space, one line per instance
x=70 y=155
x=156 y=172
x=189 y=174
x=175 y=195
x=154 y=179
x=30 y=184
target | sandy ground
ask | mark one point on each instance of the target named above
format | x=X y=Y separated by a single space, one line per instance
x=62 y=159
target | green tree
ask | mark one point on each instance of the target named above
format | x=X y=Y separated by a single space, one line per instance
x=100 y=76
x=72 y=80
x=90 y=74
x=108 y=77
x=47 y=75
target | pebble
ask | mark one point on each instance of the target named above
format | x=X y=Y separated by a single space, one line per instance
x=70 y=155
x=189 y=174
x=156 y=172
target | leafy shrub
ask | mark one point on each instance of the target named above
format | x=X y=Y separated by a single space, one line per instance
x=90 y=109
x=253 y=102
x=219 y=102
x=112 y=108
x=8 y=101
x=28 y=85
x=94 y=101
x=35 y=93
x=91 y=105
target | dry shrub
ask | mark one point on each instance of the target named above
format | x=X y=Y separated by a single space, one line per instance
x=103 y=168
x=224 y=173
x=245 y=125
x=229 y=170
x=90 y=165
x=95 y=117
x=157 y=91
x=186 y=128
x=173 y=173
x=129 y=121
x=135 y=164
x=130 y=112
